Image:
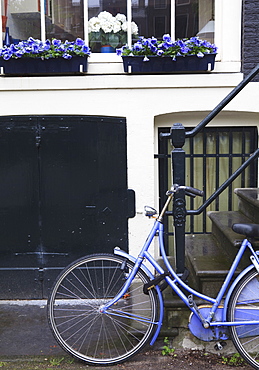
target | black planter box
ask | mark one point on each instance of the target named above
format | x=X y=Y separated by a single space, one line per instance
x=37 y=66
x=155 y=64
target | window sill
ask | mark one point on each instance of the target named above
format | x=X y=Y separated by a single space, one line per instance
x=121 y=81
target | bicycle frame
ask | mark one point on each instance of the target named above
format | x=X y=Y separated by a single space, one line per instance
x=175 y=281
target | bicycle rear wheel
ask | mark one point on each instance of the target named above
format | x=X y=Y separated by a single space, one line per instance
x=244 y=306
x=76 y=320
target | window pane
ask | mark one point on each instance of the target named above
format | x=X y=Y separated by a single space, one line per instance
x=23 y=19
x=107 y=25
x=206 y=20
x=152 y=17
x=64 y=19
x=186 y=18
x=194 y=17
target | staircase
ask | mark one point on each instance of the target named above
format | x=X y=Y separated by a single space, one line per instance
x=209 y=256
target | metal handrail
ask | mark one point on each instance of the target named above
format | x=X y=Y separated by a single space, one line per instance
x=220 y=106
x=223 y=103
x=224 y=185
x=177 y=136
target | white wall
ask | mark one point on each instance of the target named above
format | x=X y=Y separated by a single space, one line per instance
x=146 y=101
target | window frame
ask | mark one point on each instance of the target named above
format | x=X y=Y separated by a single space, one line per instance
x=229 y=53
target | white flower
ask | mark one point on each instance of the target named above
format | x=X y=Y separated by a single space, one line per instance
x=105 y=16
x=124 y=26
x=116 y=26
x=94 y=25
x=121 y=17
x=134 y=28
x=106 y=23
x=106 y=26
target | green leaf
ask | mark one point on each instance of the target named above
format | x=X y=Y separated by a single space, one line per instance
x=113 y=40
x=94 y=36
x=123 y=39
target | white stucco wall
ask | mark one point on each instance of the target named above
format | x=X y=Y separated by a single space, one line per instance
x=146 y=102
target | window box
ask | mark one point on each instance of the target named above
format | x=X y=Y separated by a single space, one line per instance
x=156 y=64
x=37 y=66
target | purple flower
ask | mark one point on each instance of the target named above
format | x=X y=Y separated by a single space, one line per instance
x=145 y=42
x=214 y=48
x=200 y=54
x=153 y=40
x=137 y=46
x=160 y=53
x=67 y=56
x=184 y=49
x=48 y=49
x=180 y=43
x=153 y=48
x=206 y=44
x=61 y=48
x=166 y=45
x=167 y=38
x=31 y=41
x=195 y=40
x=56 y=42
x=46 y=45
x=79 y=42
x=119 y=52
x=12 y=48
x=35 y=48
x=19 y=53
x=85 y=49
x=7 y=55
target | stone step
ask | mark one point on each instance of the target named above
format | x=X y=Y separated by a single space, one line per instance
x=207 y=269
x=248 y=203
x=207 y=262
x=209 y=256
x=226 y=237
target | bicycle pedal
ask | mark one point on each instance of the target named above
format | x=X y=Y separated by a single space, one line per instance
x=220 y=345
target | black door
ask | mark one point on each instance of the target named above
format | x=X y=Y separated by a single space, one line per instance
x=63 y=194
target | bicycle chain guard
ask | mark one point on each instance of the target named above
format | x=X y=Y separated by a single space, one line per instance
x=213 y=333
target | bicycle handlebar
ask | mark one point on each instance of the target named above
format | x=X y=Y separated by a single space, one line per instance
x=193 y=191
x=174 y=189
x=190 y=191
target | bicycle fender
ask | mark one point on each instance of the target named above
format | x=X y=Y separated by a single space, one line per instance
x=232 y=287
x=133 y=260
x=121 y=253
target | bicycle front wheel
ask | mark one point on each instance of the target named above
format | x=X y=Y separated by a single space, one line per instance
x=75 y=310
x=244 y=307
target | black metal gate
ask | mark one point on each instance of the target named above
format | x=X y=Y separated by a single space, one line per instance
x=211 y=157
x=63 y=194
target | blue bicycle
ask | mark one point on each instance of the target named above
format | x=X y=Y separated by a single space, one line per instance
x=104 y=308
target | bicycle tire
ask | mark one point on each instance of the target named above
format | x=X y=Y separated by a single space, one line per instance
x=244 y=306
x=74 y=310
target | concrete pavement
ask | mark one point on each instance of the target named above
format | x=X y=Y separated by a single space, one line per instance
x=24 y=329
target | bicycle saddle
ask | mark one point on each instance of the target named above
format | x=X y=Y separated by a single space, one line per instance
x=249 y=230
